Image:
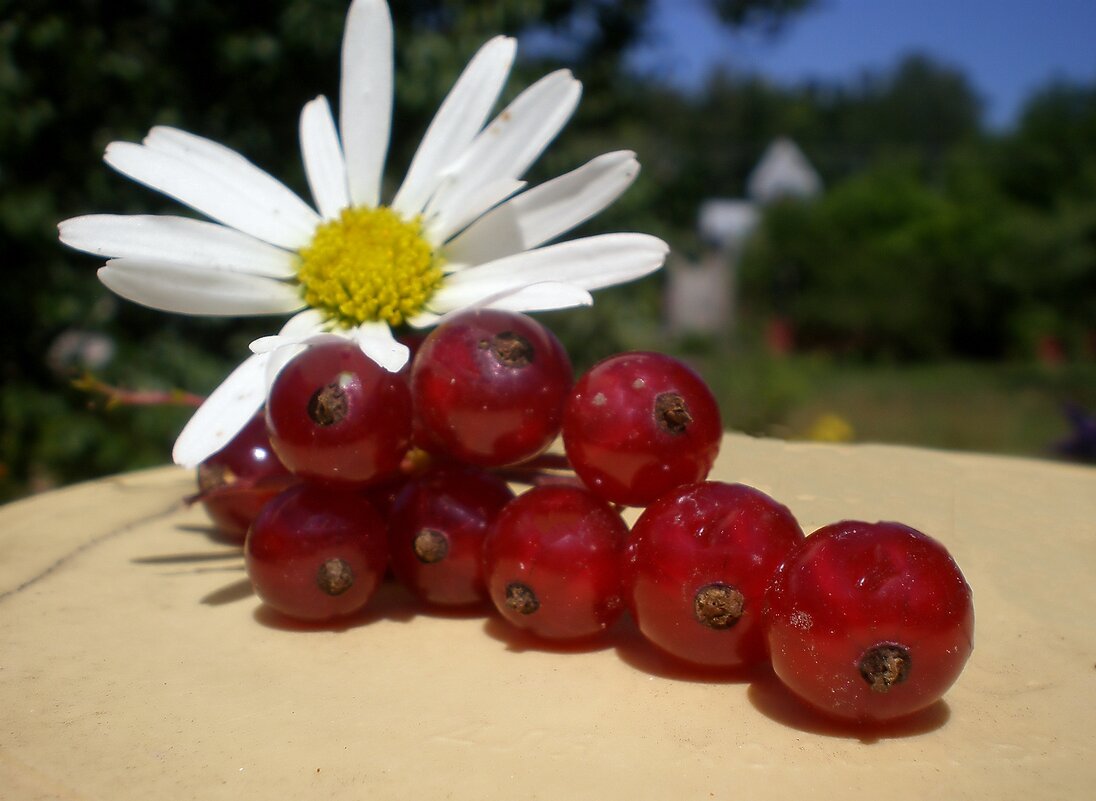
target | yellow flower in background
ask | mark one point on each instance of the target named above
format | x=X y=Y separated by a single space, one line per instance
x=831 y=427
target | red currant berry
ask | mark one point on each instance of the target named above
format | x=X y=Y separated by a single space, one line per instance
x=237 y=481
x=639 y=424
x=868 y=622
x=489 y=387
x=436 y=529
x=316 y=552
x=696 y=567
x=335 y=415
x=552 y=563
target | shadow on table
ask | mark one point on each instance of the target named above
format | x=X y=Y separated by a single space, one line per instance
x=212 y=533
x=774 y=701
x=633 y=649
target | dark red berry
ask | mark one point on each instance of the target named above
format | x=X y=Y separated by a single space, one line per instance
x=489 y=388
x=697 y=564
x=335 y=415
x=316 y=552
x=552 y=563
x=436 y=529
x=237 y=481
x=639 y=424
x=869 y=621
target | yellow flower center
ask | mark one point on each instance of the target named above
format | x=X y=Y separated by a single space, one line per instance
x=369 y=265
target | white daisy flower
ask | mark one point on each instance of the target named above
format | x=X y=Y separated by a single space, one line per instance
x=458 y=233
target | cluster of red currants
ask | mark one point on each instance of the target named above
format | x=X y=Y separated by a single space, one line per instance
x=353 y=470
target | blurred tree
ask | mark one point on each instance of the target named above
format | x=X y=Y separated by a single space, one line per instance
x=769 y=13
x=884 y=266
x=1051 y=157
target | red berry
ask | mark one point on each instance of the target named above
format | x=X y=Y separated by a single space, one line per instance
x=552 y=563
x=236 y=482
x=639 y=424
x=436 y=529
x=316 y=552
x=697 y=564
x=489 y=388
x=335 y=415
x=869 y=621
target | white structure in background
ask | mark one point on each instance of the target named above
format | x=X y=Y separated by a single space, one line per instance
x=783 y=172
x=700 y=298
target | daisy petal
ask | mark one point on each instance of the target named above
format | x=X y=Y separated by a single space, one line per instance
x=297 y=328
x=591 y=263
x=185 y=289
x=227 y=410
x=224 y=166
x=285 y=352
x=459 y=119
x=287 y=349
x=309 y=321
x=544 y=212
x=215 y=194
x=541 y=297
x=365 y=100
x=544 y=296
x=506 y=147
x=475 y=204
x=176 y=239
x=323 y=158
x=377 y=342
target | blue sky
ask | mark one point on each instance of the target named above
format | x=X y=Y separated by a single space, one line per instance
x=1007 y=48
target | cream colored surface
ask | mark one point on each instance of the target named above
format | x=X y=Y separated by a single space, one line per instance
x=135 y=663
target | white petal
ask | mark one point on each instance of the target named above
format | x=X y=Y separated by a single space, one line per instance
x=546 y=211
x=309 y=321
x=227 y=410
x=323 y=158
x=289 y=348
x=184 y=289
x=279 y=358
x=176 y=239
x=377 y=342
x=591 y=263
x=456 y=217
x=544 y=296
x=218 y=182
x=297 y=328
x=541 y=297
x=460 y=117
x=506 y=147
x=365 y=100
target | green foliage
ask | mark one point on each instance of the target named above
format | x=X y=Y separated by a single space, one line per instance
x=883 y=265
x=1052 y=156
x=983 y=247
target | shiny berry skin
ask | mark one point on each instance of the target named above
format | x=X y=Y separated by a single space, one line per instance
x=316 y=552
x=334 y=415
x=236 y=482
x=436 y=528
x=488 y=388
x=869 y=622
x=552 y=563
x=697 y=563
x=639 y=424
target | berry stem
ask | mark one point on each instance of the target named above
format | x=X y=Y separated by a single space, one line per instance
x=538 y=478
x=240 y=485
x=119 y=396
